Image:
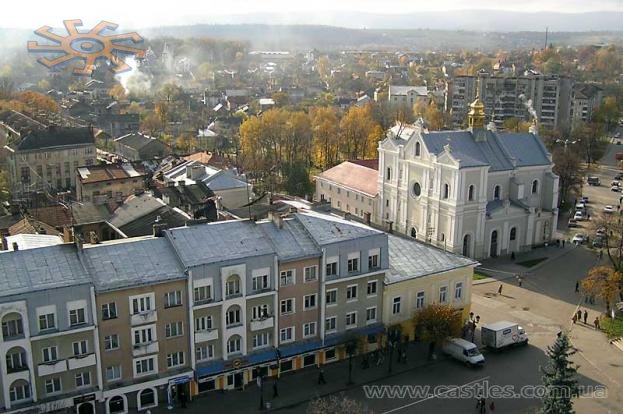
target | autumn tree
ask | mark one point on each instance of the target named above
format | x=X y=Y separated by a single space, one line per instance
x=359 y=133
x=515 y=125
x=38 y=101
x=611 y=225
x=436 y=323
x=568 y=167
x=151 y=123
x=186 y=143
x=117 y=92
x=605 y=283
x=325 y=137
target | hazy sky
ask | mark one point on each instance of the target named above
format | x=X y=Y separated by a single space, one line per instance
x=140 y=13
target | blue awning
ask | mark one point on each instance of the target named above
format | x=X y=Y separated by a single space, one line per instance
x=343 y=336
x=210 y=368
x=262 y=356
x=299 y=348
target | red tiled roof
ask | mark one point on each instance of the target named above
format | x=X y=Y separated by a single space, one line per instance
x=374 y=164
x=353 y=176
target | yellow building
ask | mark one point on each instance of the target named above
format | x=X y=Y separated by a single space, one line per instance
x=420 y=275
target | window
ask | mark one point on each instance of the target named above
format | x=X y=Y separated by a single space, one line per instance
x=259 y=312
x=204 y=352
x=202 y=293
x=175 y=359
x=443 y=294
x=446 y=191
x=332 y=268
x=203 y=323
x=496 y=192
x=76 y=316
x=417 y=189
x=419 y=300
x=353 y=265
x=13 y=327
x=20 y=390
x=144 y=366
x=260 y=282
x=373 y=261
x=109 y=310
x=310 y=301
x=174 y=329
x=16 y=360
x=286 y=334
x=372 y=288
x=50 y=354
x=388 y=174
x=351 y=319
x=396 y=305
x=330 y=324
x=331 y=297
x=233 y=286
x=470 y=193
x=310 y=273
x=417 y=149
x=260 y=340
x=371 y=314
x=458 y=290
x=329 y=354
x=535 y=186
x=80 y=348
x=233 y=345
x=83 y=379
x=287 y=306
x=233 y=316
x=143 y=336
x=113 y=373
x=172 y=299
x=46 y=321
x=111 y=342
x=513 y=234
x=309 y=329
x=147 y=398
x=141 y=304
x=286 y=278
x=351 y=292
x=52 y=385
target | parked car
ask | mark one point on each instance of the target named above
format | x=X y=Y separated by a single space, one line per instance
x=601 y=232
x=584 y=199
x=580 y=206
x=578 y=239
x=503 y=334
x=595 y=180
x=615 y=188
x=573 y=223
x=615 y=183
x=608 y=209
x=579 y=216
x=599 y=242
x=618 y=177
x=464 y=351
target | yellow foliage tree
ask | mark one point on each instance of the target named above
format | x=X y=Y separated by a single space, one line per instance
x=358 y=133
x=604 y=283
x=325 y=137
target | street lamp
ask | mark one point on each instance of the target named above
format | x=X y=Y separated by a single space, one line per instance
x=566 y=142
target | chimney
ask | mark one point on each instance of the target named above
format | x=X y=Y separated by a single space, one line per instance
x=158 y=229
x=68 y=236
x=276 y=218
x=15 y=247
x=366 y=216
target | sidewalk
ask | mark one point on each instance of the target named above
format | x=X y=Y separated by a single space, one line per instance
x=299 y=387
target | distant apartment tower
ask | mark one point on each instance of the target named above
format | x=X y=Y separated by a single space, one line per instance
x=510 y=97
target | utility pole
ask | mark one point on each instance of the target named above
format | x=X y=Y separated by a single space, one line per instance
x=546 y=33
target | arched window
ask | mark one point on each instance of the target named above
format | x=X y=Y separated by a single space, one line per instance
x=232 y=317
x=16 y=359
x=116 y=404
x=146 y=398
x=466 y=244
x=233 y=285
x=470 y=193
x=388 y=176
x=513 y=234
x=496 y=192
x=535 y=186
x=233 y=345
x=12 y=325
x=443 y=237
x=413 y=232
x=19 y=391
x=417 y=149
x=446 y=191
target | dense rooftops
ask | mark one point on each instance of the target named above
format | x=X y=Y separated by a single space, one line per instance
x=53 y=136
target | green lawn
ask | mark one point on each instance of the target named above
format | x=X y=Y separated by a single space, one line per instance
x=532 y=262
x=479 y=276
x=613 y=327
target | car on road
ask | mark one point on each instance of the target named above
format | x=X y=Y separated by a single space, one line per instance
x=599 y=242
x=503 y=334
x=584 y=199
x=615 y=188
x=617 y=135
x=618 y=177
x=608 y=209
x=578 y=239
x=464 y=351
x=594 y=180
x=601 y=232
x=615 y=183
x=579 y=216
x=580 y=206
x=573 y=223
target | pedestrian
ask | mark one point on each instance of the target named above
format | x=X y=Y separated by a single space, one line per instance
x=596 y=322
x=585 y=315
x=579 y=315
x=483 y=405
x=500 y=290
x=588 y=216
x=563 y=243
x=492 y=406
x=321 y=379
x=575 y=318
x=275 y=390
x=183 y=398
x=577 y=286
x=519 y=280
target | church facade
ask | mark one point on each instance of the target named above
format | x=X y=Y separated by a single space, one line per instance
x=475 y=192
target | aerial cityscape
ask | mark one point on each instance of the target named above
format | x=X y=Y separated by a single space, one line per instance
x=361 y=207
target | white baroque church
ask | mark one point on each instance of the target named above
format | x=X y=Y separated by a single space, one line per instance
x=475 y=192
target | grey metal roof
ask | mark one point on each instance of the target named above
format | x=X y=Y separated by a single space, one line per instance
x=409 y=259
x=526 y=149
x=218 y=242
x=40 y=269
x=291 y=241
x=132 y=262
x=326 y=229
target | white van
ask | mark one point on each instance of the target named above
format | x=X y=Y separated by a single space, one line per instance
x=464 y=351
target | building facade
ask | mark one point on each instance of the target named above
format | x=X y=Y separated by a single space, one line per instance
x=109 y=182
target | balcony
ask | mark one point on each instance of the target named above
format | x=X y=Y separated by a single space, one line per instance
x=147 y=348
x=81 y=361
x=144 y=317
x=209 y=335
x=259 y=324
x=55 y=367
x=19 y=375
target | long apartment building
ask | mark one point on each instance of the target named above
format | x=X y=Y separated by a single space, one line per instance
x=133 y=324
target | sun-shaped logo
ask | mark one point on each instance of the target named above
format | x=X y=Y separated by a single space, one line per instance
x=88 y=47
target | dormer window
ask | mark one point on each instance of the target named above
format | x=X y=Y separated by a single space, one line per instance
x=417 y=149
x=535 y=186
x=446 y=191
x=470 y=193
x=496 y=192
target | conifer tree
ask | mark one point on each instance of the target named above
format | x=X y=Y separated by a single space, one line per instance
x=559 y=377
